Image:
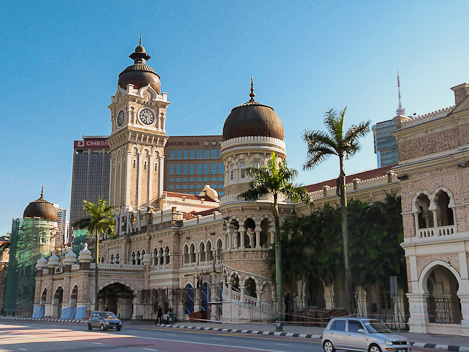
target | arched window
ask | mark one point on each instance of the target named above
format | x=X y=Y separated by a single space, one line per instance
x=161 y=256
x=155 y=256
x=202 y=252
x=117 y=258
x=138 y=258
x=192 y=254
x=133 y=258
x=242 y=169
x=166 y=254
x=112 y=258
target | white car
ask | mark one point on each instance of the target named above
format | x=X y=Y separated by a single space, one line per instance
x=360 y=334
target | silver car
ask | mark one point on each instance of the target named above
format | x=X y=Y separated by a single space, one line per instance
x=359 y=334
x=104 y=321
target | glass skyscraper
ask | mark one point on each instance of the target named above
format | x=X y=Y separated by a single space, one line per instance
x=90 y=176
x=385 y=143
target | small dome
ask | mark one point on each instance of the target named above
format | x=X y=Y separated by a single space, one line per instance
x=70 y=258
x=139 y=74
x=85 y=255
x=53 y=261
x=41 y=263
x=252 y=119
x=140 y=49
x=41 y=208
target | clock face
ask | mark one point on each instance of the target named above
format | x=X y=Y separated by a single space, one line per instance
x=147 y=117
x=120 y=118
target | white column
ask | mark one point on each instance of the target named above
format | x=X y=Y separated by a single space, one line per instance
x=139 y=179
x=241 y=290
x=161 y=176
x=242 y=232
x=418 y=320
x=128 y=170
x=258 y=239
x=150 y=172
x=416 y=224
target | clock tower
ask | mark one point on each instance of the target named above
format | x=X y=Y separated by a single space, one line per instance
x=138 y=137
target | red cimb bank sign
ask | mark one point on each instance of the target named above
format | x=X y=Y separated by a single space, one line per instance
x=91 y=143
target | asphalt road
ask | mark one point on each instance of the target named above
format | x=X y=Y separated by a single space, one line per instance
x=65 y=337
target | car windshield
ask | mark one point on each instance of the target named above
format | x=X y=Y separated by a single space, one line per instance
x=108 y=315
x=377 y=327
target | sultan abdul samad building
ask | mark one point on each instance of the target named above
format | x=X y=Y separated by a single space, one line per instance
x=194 y=253
x=199 y=253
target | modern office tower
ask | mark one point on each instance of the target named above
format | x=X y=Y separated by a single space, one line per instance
x=90 y=175
x=385 y=143
x=62 y=224
x=193 y=162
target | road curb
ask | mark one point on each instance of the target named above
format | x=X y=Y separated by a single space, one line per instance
x=42 y=319
x=310 y=336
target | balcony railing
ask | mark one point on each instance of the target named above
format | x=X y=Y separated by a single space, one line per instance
x=437 y=231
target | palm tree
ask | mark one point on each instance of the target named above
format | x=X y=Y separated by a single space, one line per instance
x=275 y=178
x=99 y=220
x=344 y=144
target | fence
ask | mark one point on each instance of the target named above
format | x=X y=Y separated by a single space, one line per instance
x=444 y=310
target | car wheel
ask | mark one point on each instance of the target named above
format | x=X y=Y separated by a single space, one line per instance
x=374 y=348
x=89 y=326
x=102 y=327
x=329 y=347
x=119 y=328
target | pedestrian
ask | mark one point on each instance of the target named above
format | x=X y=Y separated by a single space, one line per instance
x=160 y=314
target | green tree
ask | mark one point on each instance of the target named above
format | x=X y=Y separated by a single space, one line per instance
x=344 y=144
x=314 y=247
x=275 y=179
x=99 y=220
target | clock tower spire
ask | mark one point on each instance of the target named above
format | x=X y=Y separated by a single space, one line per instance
x=138 y=137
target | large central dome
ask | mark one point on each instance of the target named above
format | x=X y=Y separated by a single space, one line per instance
x=252 y=119
x=41 y=208
x=139 y=74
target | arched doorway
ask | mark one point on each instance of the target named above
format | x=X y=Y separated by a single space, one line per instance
x=188 y=299
x=116 y=298
x=443 y=303
x=57 y=303
x=314 y=294
x=250 y=288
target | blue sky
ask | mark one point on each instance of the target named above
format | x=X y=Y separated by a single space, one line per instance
x=60 y=60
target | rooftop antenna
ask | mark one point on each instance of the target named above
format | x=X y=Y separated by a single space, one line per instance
x=252 y=95
x=400 y=111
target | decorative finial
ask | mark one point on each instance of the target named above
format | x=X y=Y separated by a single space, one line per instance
x=42 y=191
x=140 y=41
x=400 y=111
x=252 y=95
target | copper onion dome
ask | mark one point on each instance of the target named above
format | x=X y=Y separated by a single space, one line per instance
x=139 y=74
x=41 y=208
x=252 y=119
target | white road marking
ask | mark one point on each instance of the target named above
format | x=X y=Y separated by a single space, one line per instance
x=204 y=343
x=97 y=343
x=22 y=349
x=149 y=349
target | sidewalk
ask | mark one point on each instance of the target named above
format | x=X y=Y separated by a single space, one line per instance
x=441 y=342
